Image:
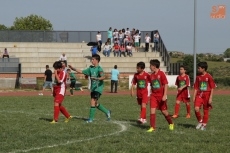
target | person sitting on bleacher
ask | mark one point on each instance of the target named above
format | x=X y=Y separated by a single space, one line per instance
x=129 y=50
x=63 y=58
x=122 y=49
x=107 y=49
x=5 y=53
x=116 y=50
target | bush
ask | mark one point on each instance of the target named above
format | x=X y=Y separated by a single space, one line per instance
x=225 y=81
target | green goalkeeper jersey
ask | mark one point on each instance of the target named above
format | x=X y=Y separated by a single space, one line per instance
x=72 y=77
x=96 y=72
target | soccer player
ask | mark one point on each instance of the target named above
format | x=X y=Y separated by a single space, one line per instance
x=203 y=92
x=158 y=97
x=59 y=92
x=182 y=83
x=141 y=78
x=96 y=74
x=73 y=80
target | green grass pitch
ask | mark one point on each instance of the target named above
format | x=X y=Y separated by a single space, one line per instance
x=25 y=127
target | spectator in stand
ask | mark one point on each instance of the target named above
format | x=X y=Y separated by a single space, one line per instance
x=122 y=49
x=94 y=50
x=107 y=49
x=5 y=53
x=120 y=37
x=98 y=38
x=47 y=81
x=116 y=41
x=116 y=50
x=136 y=40
x=110 y=35
x=129 y=50
x=63 y=58
x=114 y=78
x=108 y=41
x=133 y=33
x=139 y=33
x=123 y=31
x=156 y=41
x=127 y=32
x=126 y=40
x=115 y=34
x=147 y=41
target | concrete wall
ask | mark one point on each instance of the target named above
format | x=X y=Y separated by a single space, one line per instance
x=8 y=83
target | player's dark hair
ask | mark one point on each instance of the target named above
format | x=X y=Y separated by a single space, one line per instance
x=97 y=57
x=203 y=65
x=57 y=65
x=47 y=66
x=141 y=65
x=184 y=67
x=115 y=66
x=68 y=69
x=155 y=62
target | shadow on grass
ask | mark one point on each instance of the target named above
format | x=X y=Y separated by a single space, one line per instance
x=135 y=123
x=80 y=118
x=141 y=126
x=187 y=125
x=46 y=119
x=128 y=120
x=74 y=117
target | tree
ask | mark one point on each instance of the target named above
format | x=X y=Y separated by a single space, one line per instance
x=227 y=53
x=31 y=22
x=201 y=55
x=3 y=27
x=188 y=62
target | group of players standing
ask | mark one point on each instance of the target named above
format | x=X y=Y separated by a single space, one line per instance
x=96 y=74
x=203 y=92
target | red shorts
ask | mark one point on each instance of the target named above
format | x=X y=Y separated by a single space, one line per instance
x=58 y=98
x=182 y=99
x=143 y=99
x=202 y=99
x=156 y=102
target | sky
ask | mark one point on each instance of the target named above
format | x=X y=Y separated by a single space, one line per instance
x=173 y=18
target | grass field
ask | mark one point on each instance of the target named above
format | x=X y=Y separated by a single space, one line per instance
x=25 y=127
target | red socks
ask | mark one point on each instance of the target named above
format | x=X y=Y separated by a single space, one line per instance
x=188 y=108
x=64 y=112
x=198 y=116
x=56 y=112
x=143 y=113
x=169 y=120
x=177 y=108
x=57 y=109
x=205 y=117
x=153 y=120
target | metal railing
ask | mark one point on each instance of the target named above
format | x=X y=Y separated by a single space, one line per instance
x=54 y=36
x=163 y=51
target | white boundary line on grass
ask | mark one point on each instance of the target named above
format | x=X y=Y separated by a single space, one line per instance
x=123 y=129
